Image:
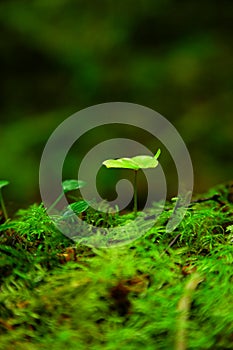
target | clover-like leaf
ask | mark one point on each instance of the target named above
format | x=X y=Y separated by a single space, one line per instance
x=71 y=185
x=126 y=163
x=145 y=162
x=135 y=163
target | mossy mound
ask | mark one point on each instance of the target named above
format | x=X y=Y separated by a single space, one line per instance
x=162 y=291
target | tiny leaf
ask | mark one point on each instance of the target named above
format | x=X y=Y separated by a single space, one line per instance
x=135 y=163
x=144 y=162
x=127 y=163
x=76 y=207
x=3 y=183
x=71 y=185
x=79 y=207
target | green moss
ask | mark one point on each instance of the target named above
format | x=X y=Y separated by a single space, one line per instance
x=154 y=293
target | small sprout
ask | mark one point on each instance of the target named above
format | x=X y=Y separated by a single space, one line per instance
x=77 y=207
x=67 y=186
x=134 y=163
x=71 y=185
x=3 y=183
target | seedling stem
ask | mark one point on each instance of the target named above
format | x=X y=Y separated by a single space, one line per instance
x=3 y=206
x=135 y=207
x=55 y=202
x=2 y=184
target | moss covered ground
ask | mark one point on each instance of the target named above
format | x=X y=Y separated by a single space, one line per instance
x=162 y=291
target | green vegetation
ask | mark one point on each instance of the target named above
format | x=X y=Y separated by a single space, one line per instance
x=67 y=186
x=3 y=183
x=166 y=290
x=134 y=163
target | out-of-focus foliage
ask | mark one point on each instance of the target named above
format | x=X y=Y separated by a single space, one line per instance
x=156 y=292
x=60 y=56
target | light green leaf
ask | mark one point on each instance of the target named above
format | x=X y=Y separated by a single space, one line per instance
x=127 y=163
x=79 y=207
x=135 y=163
x=71 y=185
x=4 y=183
x=144 y=162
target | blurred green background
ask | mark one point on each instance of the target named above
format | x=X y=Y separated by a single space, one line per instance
x=60 y=56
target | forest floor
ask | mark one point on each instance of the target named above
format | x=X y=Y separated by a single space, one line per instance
x=164 y=290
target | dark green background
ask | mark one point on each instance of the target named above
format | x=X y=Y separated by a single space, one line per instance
x=60 y=56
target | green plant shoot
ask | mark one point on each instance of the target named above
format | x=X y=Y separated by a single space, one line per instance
x=135 y=163
x=67 y=186
x=77 y=207
x=3 y=183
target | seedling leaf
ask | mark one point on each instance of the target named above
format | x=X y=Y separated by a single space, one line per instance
x=126 y=163
x=135 y=163
x=3 y=183
x=71 y=185
x=145 y=162
x=79 y=207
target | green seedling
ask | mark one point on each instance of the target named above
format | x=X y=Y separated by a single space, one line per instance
x=3 y=183
x=67 y=186
x=77 y=207
x=134 y=163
